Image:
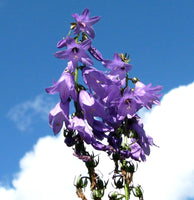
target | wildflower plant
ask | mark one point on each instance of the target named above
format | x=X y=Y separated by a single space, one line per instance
x=105 y=111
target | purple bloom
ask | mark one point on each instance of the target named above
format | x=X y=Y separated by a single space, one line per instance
x=117 y=66
x=147 y=95
x=142 y=139
x=84 y=23
x=99 y=146
x=137 y=152
x=128 y=106
x=93 y=111
x=65 y=87
x=58 y=115
x=96 y=80
x=90 y=106
x=83 y=129
x=76 y=52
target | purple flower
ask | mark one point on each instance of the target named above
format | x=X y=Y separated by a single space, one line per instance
x=96 y=80
x=137 y=152
x=117 y=66
x=95 y=53
x=83 y=129
x=65 y=87
x=147 y=95
x=142 y=139
x=93 y=111
x=58 y=115
x=90 y=106
x=128 y=106
x=84 y=23
x=99 y=146
x=76 y=52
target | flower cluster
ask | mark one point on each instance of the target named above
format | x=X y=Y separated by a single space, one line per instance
x=106 y=106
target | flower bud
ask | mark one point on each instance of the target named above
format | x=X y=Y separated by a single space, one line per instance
x=124 y=57
x=116 y=196
x=138 y=192
x=62 y=43
x=95 y=53
x=97 y=194
x=73 y=25
x=81 y=182
x=135 y=80
x=118 y=181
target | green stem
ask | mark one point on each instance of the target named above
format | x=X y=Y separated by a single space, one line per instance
x=76 y=77
x=127 y=193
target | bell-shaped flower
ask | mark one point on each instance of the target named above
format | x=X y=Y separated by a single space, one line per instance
x=84 y=130
x=147 y=95
x=84 y=23
x=92 y=111
x=65 y=87
x=128 y=105
x=76 y=52
x=96 y=80
x=140 y=136
x=135 y=152
x=58 y=115
x=117 y=66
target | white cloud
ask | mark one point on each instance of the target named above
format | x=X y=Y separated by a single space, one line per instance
x=48 y=171
x=169 y=172
x=24 y=114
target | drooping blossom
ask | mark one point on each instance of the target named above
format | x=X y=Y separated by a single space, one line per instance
x=147 y=95
x=96 y=80
x=142 y=139
x=76 y=52
x=94 y=113
x=58 y=115
x=83 y=129
x=84 y=23
x=65 y=87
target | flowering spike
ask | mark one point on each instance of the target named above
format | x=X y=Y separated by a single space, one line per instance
x=105 y=110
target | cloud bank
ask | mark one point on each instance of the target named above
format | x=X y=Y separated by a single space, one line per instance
x=47 y=172
x=23 y=114
x=169 y=172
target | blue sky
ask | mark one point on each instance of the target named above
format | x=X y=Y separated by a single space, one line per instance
x=158 y=35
